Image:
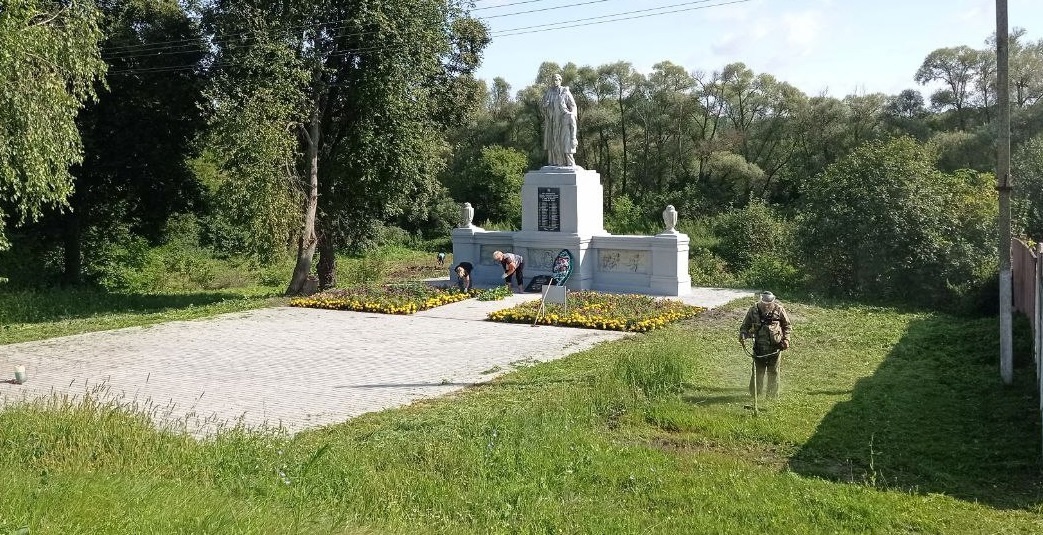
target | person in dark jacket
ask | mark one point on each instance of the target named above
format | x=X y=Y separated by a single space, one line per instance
x=463 y=276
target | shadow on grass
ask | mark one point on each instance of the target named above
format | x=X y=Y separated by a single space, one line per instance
x=710 y=395
x=935 y=418
x=43 y=306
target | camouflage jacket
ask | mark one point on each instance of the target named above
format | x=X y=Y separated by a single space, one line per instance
x=768 y=324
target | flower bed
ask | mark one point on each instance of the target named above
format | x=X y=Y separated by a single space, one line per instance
x=594 y=310
x=386 y=299
x=496 y=293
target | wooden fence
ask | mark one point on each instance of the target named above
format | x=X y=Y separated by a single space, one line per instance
x=1027 y=271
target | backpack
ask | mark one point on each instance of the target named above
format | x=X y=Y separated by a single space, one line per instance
x=769 y=327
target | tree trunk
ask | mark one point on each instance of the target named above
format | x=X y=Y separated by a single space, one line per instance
x=72 y=236
x=327 y=267
x=308 y=240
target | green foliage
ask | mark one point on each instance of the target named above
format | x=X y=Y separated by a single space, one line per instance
x=627 y=218
x=142 y=130
x=876 y=433
x=883 y=222
x=708 y=269
x=49 y=64
x=492 y=182
x=1027 y=198
x=117 y=260
x=769 y=272
x=756 y=231
x=965 y=150
x=497 y=293
x=252 y=188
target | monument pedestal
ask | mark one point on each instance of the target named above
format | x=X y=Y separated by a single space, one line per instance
x=562 y=208
x=563 y=200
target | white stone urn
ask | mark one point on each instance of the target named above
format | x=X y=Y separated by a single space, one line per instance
x=670 y=218
x=466 y=215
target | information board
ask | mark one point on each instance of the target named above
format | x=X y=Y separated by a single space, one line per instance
x=548 y=211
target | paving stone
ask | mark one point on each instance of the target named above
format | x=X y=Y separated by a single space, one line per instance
x=294 y=367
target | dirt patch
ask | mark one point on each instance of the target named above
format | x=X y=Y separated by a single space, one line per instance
x=771 y=456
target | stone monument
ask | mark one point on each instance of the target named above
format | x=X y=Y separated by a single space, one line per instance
x=559 y=124
x=563 y=208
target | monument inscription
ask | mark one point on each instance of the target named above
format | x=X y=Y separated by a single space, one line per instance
x=548 y=202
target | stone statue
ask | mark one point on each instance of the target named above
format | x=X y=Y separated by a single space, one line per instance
x=559 y=124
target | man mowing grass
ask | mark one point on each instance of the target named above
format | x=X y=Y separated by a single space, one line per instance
x=768 y=324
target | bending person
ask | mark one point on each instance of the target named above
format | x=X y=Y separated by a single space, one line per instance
x=512 y=265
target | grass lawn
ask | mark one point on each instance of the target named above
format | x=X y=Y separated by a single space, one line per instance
x=37 y=314
x=890 y=422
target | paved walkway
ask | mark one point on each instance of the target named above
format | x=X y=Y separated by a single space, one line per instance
x=295 y=367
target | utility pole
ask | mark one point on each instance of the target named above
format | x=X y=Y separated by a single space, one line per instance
x=1003 y=185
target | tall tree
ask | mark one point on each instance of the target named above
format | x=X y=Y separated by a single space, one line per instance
x=139 y=135
x=955 y=68
x=625 y=83
x=49 y=64
x=378 y=89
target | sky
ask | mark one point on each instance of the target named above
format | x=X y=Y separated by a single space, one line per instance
x=835 y=47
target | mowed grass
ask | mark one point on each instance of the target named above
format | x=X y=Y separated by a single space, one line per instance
x=890 y=422
x=37 y=314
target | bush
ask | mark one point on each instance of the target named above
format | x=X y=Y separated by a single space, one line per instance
x=767 y=272
x=627 y=218
x=708 y=269
x=756 y=231
x=120 y=261
x=882 y=222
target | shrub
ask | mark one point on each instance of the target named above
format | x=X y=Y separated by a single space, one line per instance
x=767 y=272
x=627 y=218
x=708 y=269
x=883 y=222
x=756 y=231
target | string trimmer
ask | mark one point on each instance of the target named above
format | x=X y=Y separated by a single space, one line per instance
x=753 y=370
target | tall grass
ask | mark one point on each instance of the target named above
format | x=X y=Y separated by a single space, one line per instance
x=898 y=426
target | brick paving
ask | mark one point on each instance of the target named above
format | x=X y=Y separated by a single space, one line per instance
x=295 y=367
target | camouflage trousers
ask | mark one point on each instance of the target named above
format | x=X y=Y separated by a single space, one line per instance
x=767 y=370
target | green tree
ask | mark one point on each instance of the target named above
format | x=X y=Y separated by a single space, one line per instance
x=883 y=222
x=905 y=113
x=1027 y=169
x=139 y=135
x=49 y=64
x=955 y=68
x=492 y=182
x=369 y=97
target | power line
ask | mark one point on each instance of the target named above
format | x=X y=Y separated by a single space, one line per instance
x=552 y=8
x=588 y=21
x=330 y=25
x=505 y=5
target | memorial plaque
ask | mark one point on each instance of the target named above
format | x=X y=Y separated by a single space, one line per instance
x=548 y=209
